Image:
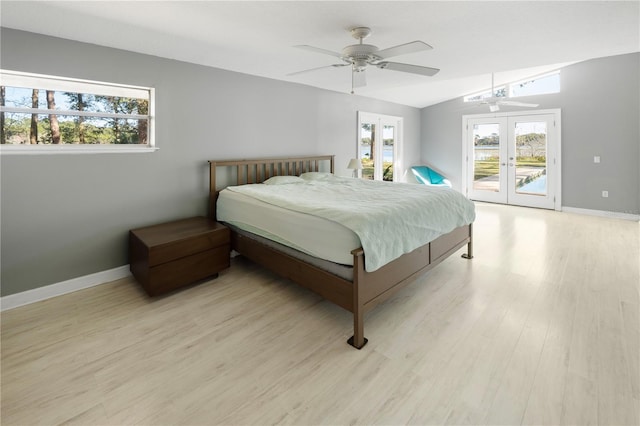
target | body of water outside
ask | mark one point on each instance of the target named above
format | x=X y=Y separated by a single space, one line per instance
x=485 y=152
x=387 y=152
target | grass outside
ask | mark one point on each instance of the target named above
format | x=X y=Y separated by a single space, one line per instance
x=367 y=170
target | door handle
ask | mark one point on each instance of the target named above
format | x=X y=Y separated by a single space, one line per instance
x=510 y=164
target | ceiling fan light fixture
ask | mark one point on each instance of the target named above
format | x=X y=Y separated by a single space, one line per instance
x=359 y=65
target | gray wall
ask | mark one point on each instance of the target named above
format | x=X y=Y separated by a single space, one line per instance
x=65 y=216
x=600 y=103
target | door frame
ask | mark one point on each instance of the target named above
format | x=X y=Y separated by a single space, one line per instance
x=555 y=157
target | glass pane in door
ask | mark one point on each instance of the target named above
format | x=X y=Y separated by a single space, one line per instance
x=367 y=149
x=486 y=157
x=388 y=139
x=531 y=158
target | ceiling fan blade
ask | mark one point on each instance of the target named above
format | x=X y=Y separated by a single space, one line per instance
x=319 y=50
x=359 y=78
x=403 y=49
x=478 y=102
x=414 y=69
x=514 y=103
x=318 y=68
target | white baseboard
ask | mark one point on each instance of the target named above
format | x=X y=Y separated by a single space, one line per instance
x=602 y=213
x=37 y=294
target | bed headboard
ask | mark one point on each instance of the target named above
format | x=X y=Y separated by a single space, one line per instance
x=261 y=169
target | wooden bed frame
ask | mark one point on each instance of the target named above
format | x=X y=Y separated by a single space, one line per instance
x=367 y=289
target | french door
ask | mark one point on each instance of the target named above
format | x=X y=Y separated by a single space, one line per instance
x=514 y=159
x=379 y=144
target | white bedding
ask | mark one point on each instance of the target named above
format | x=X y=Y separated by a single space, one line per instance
x=316 y=236
x=389 y=219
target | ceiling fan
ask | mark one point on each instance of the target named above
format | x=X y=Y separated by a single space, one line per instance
x=360 y=55
x=494 y=101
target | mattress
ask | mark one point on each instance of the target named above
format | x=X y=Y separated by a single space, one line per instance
x=313 y=235
x=342 y=271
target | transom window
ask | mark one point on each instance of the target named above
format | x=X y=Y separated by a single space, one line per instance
x=543 y=84
x=500 y=91
x=41 y=113
x=540 y=85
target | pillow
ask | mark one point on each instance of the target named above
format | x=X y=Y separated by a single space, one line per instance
x=315 y=175
x=283 y=180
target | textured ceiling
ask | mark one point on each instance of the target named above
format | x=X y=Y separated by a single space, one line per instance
x=514 y=39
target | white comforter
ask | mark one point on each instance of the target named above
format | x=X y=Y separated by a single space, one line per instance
x=389 y=218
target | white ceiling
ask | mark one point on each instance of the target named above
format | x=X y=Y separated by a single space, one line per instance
x=515 y=39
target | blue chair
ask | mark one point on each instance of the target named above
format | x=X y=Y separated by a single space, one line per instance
x=428 y=176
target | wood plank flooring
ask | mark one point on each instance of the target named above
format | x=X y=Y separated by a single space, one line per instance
x=541 y=327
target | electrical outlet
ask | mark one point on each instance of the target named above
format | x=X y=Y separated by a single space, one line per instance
x=596 y=159
x=605 y=194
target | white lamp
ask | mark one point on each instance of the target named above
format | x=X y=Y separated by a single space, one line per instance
x=355 y=165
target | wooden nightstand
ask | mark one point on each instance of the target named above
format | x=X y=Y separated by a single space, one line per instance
x=170 y=255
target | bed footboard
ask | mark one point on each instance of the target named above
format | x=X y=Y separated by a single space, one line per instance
x=373 y=288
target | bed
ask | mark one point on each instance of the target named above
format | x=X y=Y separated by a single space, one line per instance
x=354 y=281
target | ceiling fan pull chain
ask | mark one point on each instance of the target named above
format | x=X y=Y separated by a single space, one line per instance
x=352 y=91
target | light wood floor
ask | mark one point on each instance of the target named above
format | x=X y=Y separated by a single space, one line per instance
x=542 y=327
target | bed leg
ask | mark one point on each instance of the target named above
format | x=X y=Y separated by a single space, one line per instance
x=358 y=340
x=469 y=253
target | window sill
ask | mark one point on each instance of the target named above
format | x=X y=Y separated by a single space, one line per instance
x=73 y=149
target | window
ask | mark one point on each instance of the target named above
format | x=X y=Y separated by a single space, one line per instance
x=547 y=83
x=498 y=92
x=540 y=85
x=379 y=146
x=41 y=113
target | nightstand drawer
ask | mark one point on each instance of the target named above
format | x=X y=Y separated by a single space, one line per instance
x=188 y=246
x=188 y=269
x=170 y=255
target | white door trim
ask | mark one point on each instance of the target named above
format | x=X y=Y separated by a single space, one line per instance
x=557 y=154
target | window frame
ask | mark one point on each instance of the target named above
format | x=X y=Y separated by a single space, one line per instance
x=9 y=78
